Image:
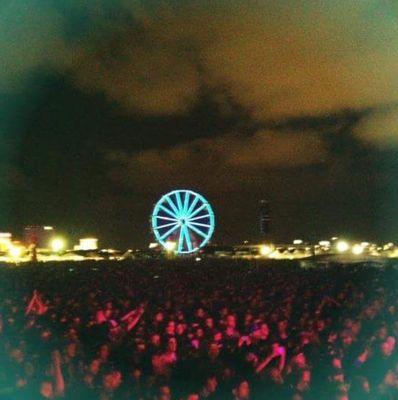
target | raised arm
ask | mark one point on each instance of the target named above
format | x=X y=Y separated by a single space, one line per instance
x=59 y=378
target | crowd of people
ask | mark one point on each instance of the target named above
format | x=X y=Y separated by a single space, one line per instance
x=210 y=330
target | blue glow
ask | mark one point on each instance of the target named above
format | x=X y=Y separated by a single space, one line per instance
x=183 y=217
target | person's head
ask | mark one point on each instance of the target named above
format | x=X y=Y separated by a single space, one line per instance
x=180 y=329
x=172 y=345
x=47 y=390
x=211 y=384
x=388 y=346
x=209 y=323
x=164 y=392
x=276 y=376
x=264 y=330
x=171 y=328
x=71 y=349
x=193 y=396
x=104 y=352
x=382 y=333
x=17 y=355
x=242 y=391
x=251 y=358
x=390 y=379
x=213 y=350
x=336 y=362
x=299 y=360
x=94 y=366
x=46 y=335
x=159 y=316
x=347 y=338
x=282 y=325
x=136 y=374
x=155 y=339
x=199 y=333
x=356 y=327
x=231 y=321
x=112 y=380
x=217 y=337
x=200 y=312
x=297 y=396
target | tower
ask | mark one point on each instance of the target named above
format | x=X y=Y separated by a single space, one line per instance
x=265 y=219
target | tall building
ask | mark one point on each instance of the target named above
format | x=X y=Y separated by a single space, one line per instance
x=38 y=236
x=265 y=219
x=5 y=241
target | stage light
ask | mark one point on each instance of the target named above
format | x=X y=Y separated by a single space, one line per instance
x=324 y=243
x=170 y=246
x=265 y=250
x=57 y=244
x=342 y=246
x=15 y=251
x=357 y=249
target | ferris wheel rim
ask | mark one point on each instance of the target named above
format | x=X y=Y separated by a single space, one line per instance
x=176 y=204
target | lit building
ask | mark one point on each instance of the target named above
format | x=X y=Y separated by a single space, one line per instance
x=39 y=236
x=5 y=241
x=87 y=244
x=265 y=219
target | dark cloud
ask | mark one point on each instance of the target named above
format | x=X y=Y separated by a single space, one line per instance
x=238 y=97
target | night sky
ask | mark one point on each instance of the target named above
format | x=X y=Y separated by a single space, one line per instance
x=106 y=105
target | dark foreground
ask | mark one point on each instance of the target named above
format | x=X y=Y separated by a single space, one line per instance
x=198 y=331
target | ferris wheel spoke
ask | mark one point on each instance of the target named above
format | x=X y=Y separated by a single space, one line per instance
x=172 y=205
x=198 y=231
x=167 y=225
x=198 y=210
x=193 y=204
x=179 y=202
x=187 y=238
x=166 y=210
x=181 y=240
x=186 y=202
x=200 y=217
x=165 y=218
x=199 y=224
x=169 y=232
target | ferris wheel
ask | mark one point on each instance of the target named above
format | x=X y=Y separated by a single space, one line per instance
x=183 y=221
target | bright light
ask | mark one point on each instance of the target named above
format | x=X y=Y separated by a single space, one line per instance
x=48 y=228
x=342 y=246
x=297 y=241
x=324 y=243
x=265 y=250
x=153 y=245
x=357 y=249
x=170 y=246
x=88 y=244
x=15 y=252
x=57 y=244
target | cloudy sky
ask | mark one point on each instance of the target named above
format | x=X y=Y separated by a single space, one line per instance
x=105 y=105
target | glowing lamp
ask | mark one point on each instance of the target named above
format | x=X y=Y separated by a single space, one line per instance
x=357 y=249
x=170 y=246
x=57 y=244
x=15 y=252
x=265 y=250
x=342 y=246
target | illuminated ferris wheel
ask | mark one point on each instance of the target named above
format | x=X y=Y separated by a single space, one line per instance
x=183 y=221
